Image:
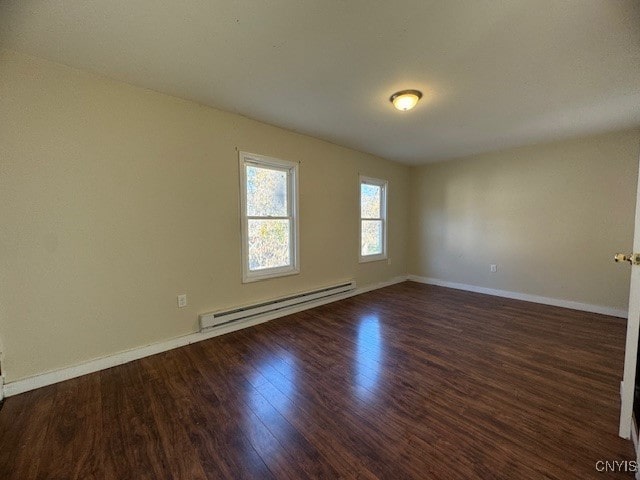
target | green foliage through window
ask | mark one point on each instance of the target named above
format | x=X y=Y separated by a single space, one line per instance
x=269 y=228
x=372 y=217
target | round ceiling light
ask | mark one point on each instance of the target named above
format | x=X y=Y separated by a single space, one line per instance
x=405 y=99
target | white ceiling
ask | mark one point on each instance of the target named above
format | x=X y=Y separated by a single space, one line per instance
x=495 y=73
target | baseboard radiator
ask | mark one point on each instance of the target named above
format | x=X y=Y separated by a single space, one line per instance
x=216 y=319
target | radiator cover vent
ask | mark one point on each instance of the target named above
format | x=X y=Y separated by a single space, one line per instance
x=215 y=319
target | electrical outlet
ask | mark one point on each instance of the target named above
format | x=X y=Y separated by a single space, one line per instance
x=494 y=268
x=182 y=300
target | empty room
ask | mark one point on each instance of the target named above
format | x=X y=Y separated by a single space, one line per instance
x=319 y=239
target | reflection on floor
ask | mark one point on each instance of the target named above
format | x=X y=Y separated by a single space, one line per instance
x=410 y=381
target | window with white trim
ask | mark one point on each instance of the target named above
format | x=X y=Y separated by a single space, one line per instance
x=373 y=219
x=269 y=209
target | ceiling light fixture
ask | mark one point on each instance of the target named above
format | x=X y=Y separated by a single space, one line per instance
x=405 y=99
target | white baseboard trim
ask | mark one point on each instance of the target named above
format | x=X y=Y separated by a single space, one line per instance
x=556 y=302
x=55 y=376
x=49 y=378
x=376 y=286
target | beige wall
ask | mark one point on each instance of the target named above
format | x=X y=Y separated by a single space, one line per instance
x=115 y=199
x=550 y=216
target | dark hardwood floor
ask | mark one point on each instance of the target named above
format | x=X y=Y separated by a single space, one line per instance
x=410 y=381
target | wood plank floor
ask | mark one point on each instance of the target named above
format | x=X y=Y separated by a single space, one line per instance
x=411 y=381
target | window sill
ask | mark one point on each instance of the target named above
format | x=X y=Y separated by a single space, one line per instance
x=372 y=258
x=267 y=275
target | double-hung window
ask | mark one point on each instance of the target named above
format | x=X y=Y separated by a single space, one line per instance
x=269 y=209
x=373 y=219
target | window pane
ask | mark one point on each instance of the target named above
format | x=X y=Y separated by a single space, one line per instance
x=269 y=244
x=266 y=192
x=370 y=200
x=371 y=237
